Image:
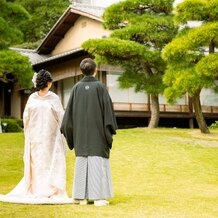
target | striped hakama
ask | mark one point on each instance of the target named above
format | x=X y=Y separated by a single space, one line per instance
x=92 y=178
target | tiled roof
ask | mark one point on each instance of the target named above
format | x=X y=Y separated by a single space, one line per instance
x=61 y=55
x=32 y=54
x=93 y=10
x=36 y=59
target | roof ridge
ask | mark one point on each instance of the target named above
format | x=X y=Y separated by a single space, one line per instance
x=89 y=6
x=23 y=49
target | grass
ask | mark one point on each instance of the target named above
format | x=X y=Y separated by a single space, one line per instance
x=160 y=173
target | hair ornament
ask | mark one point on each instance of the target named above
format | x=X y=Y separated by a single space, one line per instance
x=34 y=79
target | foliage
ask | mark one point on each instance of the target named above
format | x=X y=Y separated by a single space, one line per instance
x=140 y=30
x=191 y=57
x=15 y=68
x=207 y=67
x=214 y=125
x=44 y=14
x=197 y=10
x=11 y=125
x=28 y=45
x=151 y=176
x=20 y=21
x=11 y=18
x=189 y=67
x=125 y=10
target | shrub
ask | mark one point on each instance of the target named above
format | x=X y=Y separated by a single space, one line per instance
x=11 y=125
x=214 y=125
x=19 y=122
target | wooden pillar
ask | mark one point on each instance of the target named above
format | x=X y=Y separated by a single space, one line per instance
x=191 y=123
x=191 y=119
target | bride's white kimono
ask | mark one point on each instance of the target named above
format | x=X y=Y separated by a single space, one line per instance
x=44 y=178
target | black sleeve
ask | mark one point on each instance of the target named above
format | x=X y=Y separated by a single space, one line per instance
x=110 y=124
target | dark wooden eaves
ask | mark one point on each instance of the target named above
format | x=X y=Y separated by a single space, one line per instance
x=57 y=32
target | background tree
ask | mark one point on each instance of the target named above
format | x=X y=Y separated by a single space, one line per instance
x=192 y=56
x=140 y=29
x=43 y=15
x=13 y=66
x=11 y=17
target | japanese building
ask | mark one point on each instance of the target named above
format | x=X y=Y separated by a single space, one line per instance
x=60 y=53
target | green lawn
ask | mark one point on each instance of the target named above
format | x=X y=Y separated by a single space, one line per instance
x=160 y=173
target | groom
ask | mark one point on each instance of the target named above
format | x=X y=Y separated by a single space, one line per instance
x=89 y=125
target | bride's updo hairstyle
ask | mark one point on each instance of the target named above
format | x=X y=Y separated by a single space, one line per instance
x=42 y=79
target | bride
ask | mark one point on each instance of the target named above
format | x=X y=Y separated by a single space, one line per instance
x=44 y=180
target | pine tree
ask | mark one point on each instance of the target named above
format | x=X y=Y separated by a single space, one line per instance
x=140 y=30
x=192 y=58
x=13 y=66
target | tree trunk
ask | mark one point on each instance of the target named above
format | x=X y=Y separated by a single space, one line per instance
x=212 y=47
x=198 y=113
x=155 y=111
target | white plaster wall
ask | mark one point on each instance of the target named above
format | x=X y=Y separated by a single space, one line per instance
x=83 y=29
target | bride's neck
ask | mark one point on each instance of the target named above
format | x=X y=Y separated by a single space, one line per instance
x=43 y=92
